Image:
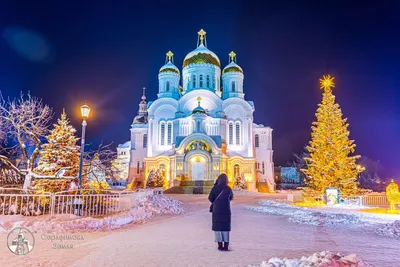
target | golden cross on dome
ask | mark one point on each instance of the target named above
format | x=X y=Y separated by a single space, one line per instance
x=199 y=100
x=201 y=33
x=169 y=55
x=327 y=82
x=232 y=56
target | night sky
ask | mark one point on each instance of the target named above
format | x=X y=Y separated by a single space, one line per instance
x=104 y=52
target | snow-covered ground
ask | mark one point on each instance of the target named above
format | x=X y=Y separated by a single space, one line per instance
x=187 y=240
x=337 y=217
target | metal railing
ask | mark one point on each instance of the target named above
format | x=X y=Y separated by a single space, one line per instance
x=16 y=202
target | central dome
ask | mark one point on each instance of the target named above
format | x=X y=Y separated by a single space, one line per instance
x=201 y=55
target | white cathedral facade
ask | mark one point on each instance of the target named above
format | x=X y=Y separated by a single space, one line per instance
x=199 y=126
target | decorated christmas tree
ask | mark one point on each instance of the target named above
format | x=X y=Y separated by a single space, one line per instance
x=240 y=182
x=331 y=163
x=60 y=151
x=155 y=179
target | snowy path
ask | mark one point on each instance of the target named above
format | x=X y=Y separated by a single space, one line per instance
x=187 y=240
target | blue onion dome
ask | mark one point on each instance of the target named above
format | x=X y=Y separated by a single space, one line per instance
x=232 y=66
x=201 y=55
x=199 y=109
x=169 y=67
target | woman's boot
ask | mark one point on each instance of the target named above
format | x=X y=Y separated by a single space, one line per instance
x=220 y=247
x=226 y=246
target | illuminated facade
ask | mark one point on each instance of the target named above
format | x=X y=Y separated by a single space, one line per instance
x=200 y=127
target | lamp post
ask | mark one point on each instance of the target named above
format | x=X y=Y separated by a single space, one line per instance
x=85 y=110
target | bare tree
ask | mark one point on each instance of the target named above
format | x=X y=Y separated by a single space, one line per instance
x=370 y=178
x=104 y=157
x=299 y=162
x=23 y=122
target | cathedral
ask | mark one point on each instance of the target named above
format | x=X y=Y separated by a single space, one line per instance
x=199 y=126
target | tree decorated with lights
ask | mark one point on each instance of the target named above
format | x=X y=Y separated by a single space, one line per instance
x=60 y=151
x=331 y=162
x=155 y=179
x=240 y=182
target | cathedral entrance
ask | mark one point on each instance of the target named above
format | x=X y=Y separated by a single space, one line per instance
x=198 y=166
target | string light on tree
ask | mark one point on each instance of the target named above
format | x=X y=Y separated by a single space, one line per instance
x=331 y=162
x=60 y=151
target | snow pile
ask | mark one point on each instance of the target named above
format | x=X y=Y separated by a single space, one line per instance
x=151 y=206
x=389 y=229
x=321 y=259
x=325 y=219
x=386 y=225
x=160 y=204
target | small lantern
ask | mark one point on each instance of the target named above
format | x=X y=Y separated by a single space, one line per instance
x=85 y=110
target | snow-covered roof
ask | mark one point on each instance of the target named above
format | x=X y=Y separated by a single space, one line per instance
x=127 y=144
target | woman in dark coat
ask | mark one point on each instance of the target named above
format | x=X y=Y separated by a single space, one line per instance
x=220 y=197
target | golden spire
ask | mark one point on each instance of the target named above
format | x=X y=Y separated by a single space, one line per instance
x=232 y=56
x=170 y=55
x=202 y=35
x=327 y=82
x=199 y=100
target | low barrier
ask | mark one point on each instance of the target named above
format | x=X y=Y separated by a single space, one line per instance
x=16 y=202
x=371 y=200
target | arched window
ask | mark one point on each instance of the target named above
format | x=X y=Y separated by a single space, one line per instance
x=233 y=86
x=230 y=133
x=257 y=140
x=138 y=167
x=236 y=171
x=198 y=126
x=194 y=81
x=144 y=140
x=167 y=86
x=208 y=81
x=237 y=133
x=162 y=133
x=201 y=80
x=213 y=83
x=169 y=129
x=263 y=168
x=188 y=83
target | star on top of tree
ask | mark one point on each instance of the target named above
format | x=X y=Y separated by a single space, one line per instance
x=327 y=82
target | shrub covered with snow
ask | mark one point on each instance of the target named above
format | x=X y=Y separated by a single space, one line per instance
x=321 y=259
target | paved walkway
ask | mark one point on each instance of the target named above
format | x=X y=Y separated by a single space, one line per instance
x=187 y=240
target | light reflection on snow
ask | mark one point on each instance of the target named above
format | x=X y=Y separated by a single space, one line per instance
x=381 y=224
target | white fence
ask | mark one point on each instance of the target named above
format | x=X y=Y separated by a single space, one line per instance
x=372 y=200
x=16 y=202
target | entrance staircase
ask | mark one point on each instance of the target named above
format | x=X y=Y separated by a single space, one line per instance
x=191 y=187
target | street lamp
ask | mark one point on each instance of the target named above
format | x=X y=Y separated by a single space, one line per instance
x=85 y=110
